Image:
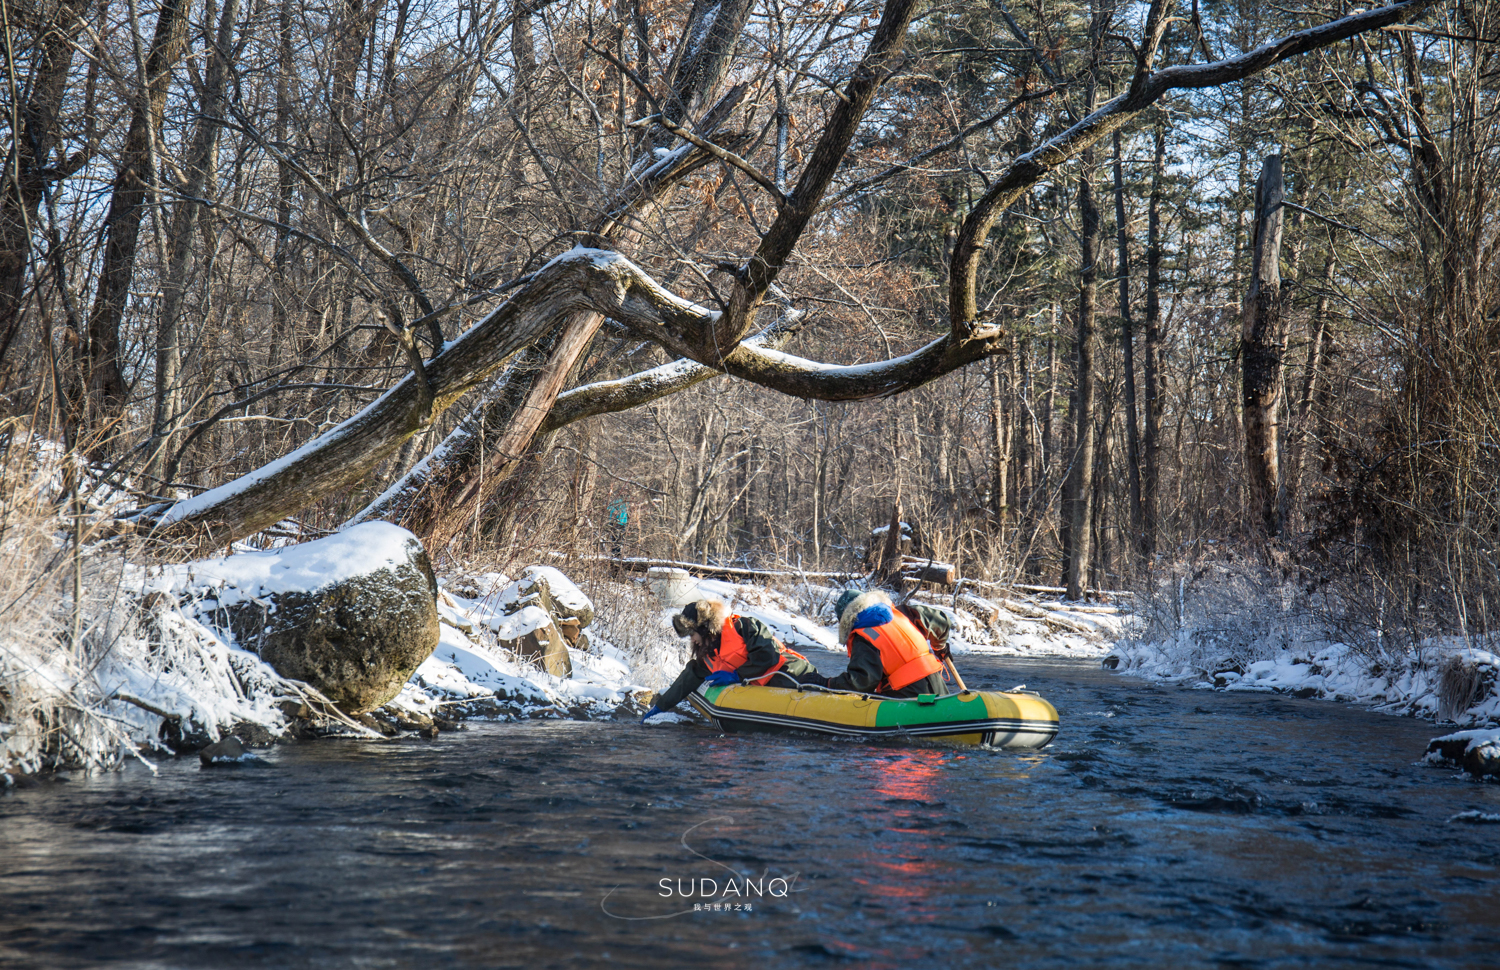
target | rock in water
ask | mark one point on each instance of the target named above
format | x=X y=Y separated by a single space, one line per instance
x=353 y=614
x=1476 y=751
x=224 y=751
x=1483 y=758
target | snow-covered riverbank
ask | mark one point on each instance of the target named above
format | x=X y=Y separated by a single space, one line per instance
x=160 y=670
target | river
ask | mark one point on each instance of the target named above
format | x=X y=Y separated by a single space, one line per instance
x=1163 y=828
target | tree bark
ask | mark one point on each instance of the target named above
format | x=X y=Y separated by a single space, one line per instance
x=1000 y=463
x=29 y=167
x=1077 y=487
x=1155 y=384
x=1127 y=348
x=1261 y=342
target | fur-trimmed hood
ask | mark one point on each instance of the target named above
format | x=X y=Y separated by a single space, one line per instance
x=707 y=615
x=871 y=597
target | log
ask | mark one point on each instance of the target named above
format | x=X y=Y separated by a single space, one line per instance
x=635 y=564
x=920 y=570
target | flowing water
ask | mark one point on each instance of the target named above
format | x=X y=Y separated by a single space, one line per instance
x=1163 y=828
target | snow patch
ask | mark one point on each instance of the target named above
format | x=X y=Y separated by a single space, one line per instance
x=357 y=551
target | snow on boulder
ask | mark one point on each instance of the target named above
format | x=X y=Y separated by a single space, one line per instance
x=1477 y=752
x=538 y=617
x=531 y=634
x=353 y=614
x=556 y=594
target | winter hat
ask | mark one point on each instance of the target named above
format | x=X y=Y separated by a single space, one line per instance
x=845 y=598
x=873 y=607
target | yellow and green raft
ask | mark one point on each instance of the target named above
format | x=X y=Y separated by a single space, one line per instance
x=1012 y=719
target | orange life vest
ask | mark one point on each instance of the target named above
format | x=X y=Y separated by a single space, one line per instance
x=733 y=653
x=904 y=652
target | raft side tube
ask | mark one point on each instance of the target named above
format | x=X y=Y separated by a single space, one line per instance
x=972 y=717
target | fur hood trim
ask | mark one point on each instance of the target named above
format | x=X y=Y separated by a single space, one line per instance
x=851 y=612
x=711 y=615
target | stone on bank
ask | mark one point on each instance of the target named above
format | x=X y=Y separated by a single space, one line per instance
x=353 y=614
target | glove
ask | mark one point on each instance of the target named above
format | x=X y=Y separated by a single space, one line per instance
x=721 y=677
x=651 y=713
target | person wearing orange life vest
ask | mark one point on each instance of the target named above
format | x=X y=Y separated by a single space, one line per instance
x=890 y=648
x=730 y=649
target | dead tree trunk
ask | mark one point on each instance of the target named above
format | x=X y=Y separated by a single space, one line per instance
x=1000 y=464
x=1260 y=356
x=583 y=280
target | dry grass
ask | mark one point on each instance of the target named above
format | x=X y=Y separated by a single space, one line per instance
x=49 y=640
x=89 y=665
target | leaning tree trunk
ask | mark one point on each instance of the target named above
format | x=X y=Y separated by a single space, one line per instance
x=436 y=500
x=1260 y=356
x=597 y=281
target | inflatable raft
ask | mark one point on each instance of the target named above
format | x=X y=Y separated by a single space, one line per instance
x=1012 y=719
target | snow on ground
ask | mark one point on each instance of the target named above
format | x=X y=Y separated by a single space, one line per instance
x=469 y=662
x=1333 y=671
x=1237 y=631
x=1323 y=669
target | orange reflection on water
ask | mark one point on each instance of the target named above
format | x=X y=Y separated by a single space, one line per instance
x=904 y=854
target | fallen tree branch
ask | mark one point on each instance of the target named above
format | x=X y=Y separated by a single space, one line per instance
x=610 y=397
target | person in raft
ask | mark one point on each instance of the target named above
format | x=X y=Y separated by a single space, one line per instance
x=891 y=649
x=731 y=649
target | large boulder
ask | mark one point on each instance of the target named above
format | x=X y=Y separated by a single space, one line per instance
x=353 y=614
